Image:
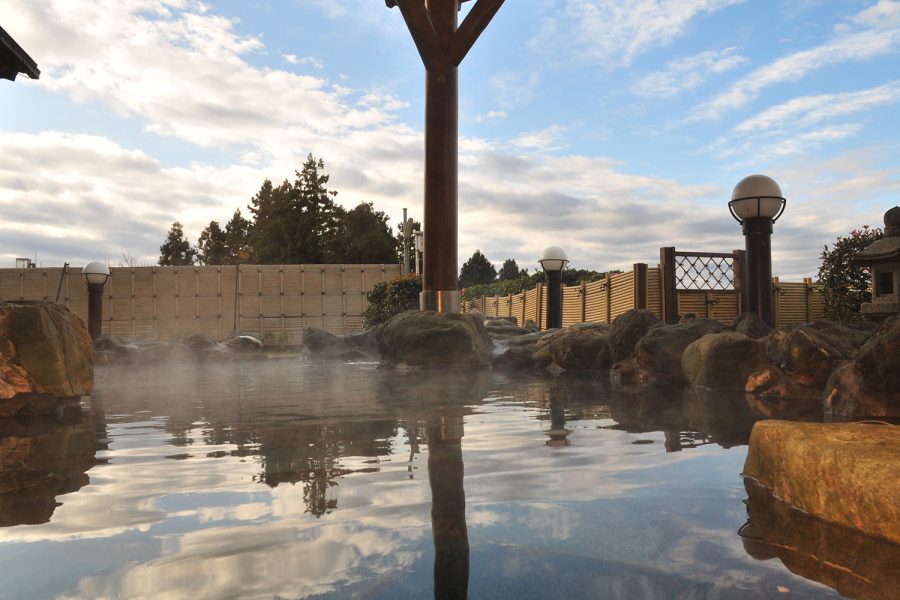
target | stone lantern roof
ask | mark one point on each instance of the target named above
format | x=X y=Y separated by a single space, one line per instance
x=888 y=247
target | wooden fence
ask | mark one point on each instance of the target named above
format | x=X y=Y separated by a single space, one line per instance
x=275 y=302
x=642 y=287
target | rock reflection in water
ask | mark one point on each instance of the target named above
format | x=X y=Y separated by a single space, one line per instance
x=689 y=417
x=42 y=458
x=856 y=565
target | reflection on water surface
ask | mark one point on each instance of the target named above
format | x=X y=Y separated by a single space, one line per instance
x=281 y=480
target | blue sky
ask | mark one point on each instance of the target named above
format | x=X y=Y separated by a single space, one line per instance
x=607 y=127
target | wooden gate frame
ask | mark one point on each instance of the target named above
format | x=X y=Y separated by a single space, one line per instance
x=668 y=260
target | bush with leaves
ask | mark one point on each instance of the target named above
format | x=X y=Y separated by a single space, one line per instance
x=390 y=298
x=844 y=283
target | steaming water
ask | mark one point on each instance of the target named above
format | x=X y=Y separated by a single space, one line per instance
x=281 y=480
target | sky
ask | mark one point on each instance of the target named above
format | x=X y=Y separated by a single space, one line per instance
x=609 y=128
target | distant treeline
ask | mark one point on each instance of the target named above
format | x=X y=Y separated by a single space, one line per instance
x=295 y=222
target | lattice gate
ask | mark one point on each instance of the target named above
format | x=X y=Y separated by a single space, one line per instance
x=708 y=284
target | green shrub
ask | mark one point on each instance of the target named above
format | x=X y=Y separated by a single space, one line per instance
x=845 y=284
x=390 y=298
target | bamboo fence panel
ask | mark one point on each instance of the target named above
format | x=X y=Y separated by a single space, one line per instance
x=622 y=291
x=604 y=300
x=571 y=305
x=275 y=302
x=531 y=310
x=654 y=291
x=596 y=308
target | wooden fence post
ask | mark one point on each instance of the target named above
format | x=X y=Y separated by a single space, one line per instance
x=640 y=285
x=807 y=281
x=669 y=297
x=608 y=297
x=776 y=294
x=583 y=293
x=741 y=289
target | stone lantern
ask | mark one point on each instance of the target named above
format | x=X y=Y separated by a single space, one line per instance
x=883 y=258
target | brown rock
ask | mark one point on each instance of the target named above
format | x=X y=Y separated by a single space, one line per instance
x=809 y=352
x=870 y=385
x=45 y=351
x=722 y=361
x=847 y=474
x=856 y=565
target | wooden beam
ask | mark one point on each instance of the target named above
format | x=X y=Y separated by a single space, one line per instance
x=423 y=33
x=472 y=26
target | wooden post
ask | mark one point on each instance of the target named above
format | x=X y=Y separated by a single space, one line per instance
x=640 y=285
x=583 y=301
x=741 y=289
x=442 y=48
x=669 y=295
x=608 y=297
x=807 y=281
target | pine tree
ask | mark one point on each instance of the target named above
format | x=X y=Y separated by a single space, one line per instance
x=176 y=251
x=510 y=270
x=294 y=222
x=212 y=248
x=237 y=240
x=362 y=237
x=477 y=269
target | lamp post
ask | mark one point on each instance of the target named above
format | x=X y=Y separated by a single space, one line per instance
x=756 y=203
x=95 y=274
x=553 y=260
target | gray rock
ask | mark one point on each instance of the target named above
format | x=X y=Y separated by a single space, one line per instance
x=750 y=325
x=429 y=339
x=627 y=329
x=321 y=345
x=657 y=356
x=582 y=347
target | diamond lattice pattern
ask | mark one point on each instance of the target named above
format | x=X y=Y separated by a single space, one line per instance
x=704 y=273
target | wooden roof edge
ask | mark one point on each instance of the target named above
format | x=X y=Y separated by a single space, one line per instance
x=24 y=63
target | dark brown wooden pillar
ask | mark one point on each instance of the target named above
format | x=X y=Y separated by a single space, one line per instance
x=640 y=285
x=669 y=295
x=439 y=276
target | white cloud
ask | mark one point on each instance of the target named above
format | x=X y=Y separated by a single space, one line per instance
x=846 y=47
x=614 y=32
x=809 y=110
x=293 y=59
x=688 y=73
x=885 y=13
x=491 y=115
x=539 y=140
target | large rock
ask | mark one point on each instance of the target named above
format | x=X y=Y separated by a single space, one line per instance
x=41 y=458
x=627 y=329
x=868 y=386
x=657 y=356
x=45 y=354
x=847 y=474
x=751 y=325
x=856 y=565
x=430 y=339
x=801 y=358
x=319 y=344
x=809 y=352
x=581 y=347
x=722 y=361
